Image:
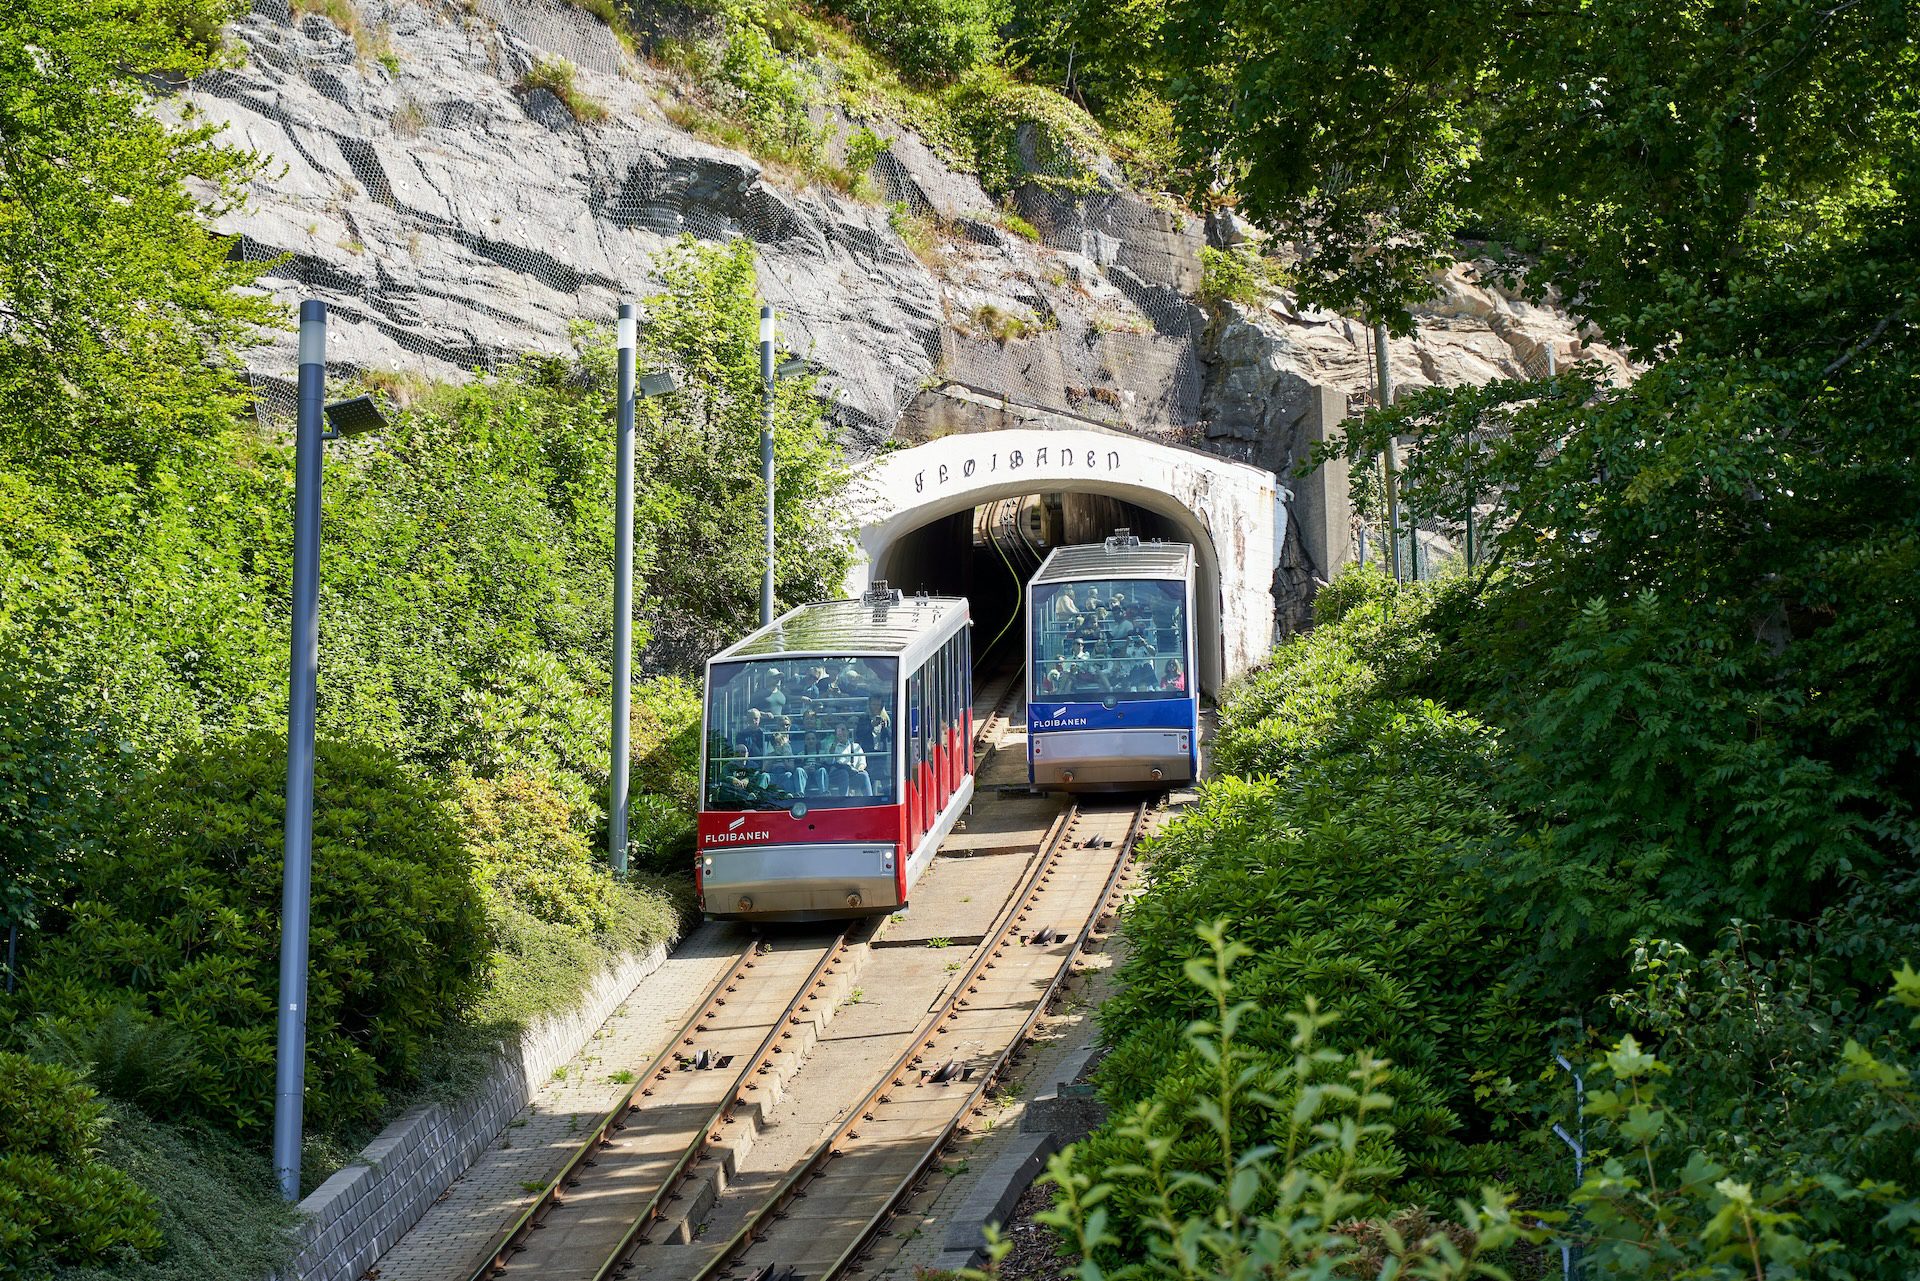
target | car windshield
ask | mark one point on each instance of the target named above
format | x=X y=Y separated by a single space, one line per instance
x=817 y=731
x=1123 y=640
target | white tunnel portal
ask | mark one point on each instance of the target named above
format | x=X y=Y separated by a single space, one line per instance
x=1229 y=511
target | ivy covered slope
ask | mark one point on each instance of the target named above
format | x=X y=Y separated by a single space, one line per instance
x=145 y=557
x=1652 y=767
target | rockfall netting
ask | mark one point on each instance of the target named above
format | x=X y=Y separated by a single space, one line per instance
x=457 y=205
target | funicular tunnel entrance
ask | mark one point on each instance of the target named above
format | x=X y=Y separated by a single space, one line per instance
x=988 y=552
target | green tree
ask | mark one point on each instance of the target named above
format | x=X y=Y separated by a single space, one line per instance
x=702 y=515
x=120 y=307
x=1698 y=627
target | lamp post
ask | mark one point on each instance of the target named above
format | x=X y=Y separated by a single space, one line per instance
x=348 y=418
x=769 y=374
x=625 y=393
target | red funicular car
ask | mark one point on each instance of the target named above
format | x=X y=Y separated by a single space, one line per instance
x=838 y=754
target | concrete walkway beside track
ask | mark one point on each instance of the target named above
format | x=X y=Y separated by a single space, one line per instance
x=451 y=1240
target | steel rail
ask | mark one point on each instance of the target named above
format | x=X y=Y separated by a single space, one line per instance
x=982 y=743
x=723 y=1112
x=499 y=1256
x=923 y=1039
x=904 y=1189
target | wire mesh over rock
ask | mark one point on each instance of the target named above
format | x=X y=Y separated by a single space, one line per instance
x=465 y=181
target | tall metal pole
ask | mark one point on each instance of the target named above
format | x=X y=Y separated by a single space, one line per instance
x=290 y=1066
x=1384 y=375
x=766 y=452
x=1472 y=549
x=622 y=596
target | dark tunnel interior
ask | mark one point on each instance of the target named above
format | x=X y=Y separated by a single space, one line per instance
x=988 y=553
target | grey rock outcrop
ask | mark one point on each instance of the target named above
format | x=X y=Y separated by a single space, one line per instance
x=454 y=221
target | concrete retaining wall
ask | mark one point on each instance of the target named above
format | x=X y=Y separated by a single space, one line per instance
x=357 y=1215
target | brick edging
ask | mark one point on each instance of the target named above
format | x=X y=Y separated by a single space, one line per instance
x=353 y=1218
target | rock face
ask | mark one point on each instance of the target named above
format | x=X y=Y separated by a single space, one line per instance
x=453 y=221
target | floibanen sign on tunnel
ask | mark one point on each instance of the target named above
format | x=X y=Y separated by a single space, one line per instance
x=1232 y=513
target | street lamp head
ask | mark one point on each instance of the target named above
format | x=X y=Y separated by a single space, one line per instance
x=790 y=368
x=766 y=323
x=353 y=417
x=662 y=383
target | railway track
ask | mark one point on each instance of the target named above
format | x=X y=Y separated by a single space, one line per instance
x=819 y=1222
x=987 y=729
x=618 y=1183
x=629 y=1202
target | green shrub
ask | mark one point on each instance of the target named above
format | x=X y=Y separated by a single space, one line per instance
x=1020 y=133
x=125 y=1052
x=864 y=149
x=1261 y=1170
x=1342 y=868
x=665 y=743
x=769 y=96
x=1017 y=225
x=1237 y=275
x=215 y=1200
x=185 y=923
x=930 y=40
x=59 y=1203
x=526 y=852
x=1735 y=1120
x=539 y=967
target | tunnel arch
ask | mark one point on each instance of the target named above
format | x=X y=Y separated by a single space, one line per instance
x=1231 y=512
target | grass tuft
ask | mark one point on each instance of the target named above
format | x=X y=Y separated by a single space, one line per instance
x=559 y=78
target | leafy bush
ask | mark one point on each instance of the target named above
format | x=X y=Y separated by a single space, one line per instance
x=526 y=852
x=1261 y=1171
x=125 y=312
x=764 y=93
x=1022 y=133
x=1237 y=275
x=125 y=1052
x=539 y=967
x=185 y=924
x=930 y=40
x=864 y=149
x=59 y=1203
x=1340 y=871
x=1743 y=1129
x=665 y=742
x=1671 y=795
